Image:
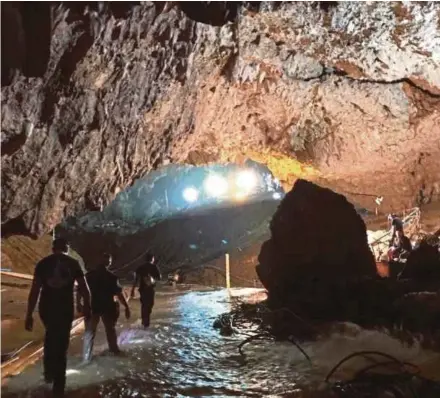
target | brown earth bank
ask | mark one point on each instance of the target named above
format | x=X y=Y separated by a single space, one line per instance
x=96 y=95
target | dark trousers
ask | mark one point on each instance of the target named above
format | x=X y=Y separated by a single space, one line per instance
x=109 y=320
x=147 y=303
x=56 y=344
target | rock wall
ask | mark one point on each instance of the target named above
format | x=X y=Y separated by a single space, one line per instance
x=95 y=95
x=317 y=238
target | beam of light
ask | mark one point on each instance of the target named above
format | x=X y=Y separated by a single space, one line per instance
x=276 y=196
x=247 y=180
x=215 y=185
x=190 y=194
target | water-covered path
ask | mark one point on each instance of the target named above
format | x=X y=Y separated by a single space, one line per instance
x=181 y=355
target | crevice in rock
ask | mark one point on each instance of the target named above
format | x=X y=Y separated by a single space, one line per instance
x=209 y=12
x=14 y=226
x=26 y=39
x=341 y=73
x=12 y=145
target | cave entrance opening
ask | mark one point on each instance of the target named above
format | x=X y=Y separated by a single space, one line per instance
x=189 y=216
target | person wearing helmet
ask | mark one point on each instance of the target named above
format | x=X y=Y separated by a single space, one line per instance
x=145 y=277
x=53 y=282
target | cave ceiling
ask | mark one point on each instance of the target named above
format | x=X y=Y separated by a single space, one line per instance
x=95 y=95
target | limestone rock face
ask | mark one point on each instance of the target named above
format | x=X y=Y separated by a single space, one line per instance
x=316 y=236
x=95 y=95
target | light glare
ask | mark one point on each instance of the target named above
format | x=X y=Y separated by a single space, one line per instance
x=216 y=185
x=190 y=194
x=276 y=195
x=240 y=196
x=247 y=180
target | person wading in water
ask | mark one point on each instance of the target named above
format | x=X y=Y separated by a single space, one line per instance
x=54 y=278
x=145 y=277
x=104 y=286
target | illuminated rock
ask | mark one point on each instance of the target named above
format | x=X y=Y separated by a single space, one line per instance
x=95 y=95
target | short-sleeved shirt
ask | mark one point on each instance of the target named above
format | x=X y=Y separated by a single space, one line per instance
x=145 y=272
x=103 y=285
x=57 y=274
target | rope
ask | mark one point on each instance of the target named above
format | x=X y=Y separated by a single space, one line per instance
x=223 y=273
x=132 y=261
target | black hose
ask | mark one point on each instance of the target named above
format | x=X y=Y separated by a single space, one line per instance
x=357 y=354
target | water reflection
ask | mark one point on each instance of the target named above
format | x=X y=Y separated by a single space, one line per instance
x=182 y=355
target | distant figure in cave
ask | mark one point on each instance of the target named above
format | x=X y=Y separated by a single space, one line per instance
x=396 y=225
x=104 y=286
x=145 y=277
x=173 y=278
x=399 y=253
x=54 y=277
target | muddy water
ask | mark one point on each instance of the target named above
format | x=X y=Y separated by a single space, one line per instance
x=181 y=355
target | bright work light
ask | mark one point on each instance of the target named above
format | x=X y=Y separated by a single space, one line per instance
x=190 y=194
x=216 y=185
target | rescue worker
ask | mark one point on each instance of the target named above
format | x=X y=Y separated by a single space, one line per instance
x=145 y=277
x=104 y=286
x=54 y=278
x=396 y=225
x=399 y=253
x=173 y=278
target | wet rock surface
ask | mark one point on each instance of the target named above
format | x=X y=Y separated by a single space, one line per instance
x=95 y=95
x=317 y=238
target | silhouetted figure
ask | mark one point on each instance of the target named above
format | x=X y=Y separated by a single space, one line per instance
x=402 y=247
x=104 y=286
x=399 y=253
x=54 y=277
x=145 y=277
x=396 y=225
x=173 y=279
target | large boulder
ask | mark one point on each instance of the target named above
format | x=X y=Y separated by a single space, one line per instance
x=423 y=264
x=317 y=238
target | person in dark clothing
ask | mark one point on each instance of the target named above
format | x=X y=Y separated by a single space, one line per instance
x=145 y=277
x=396 y=225
x=399 y=253
x=402 y=247
x=104 y=286
x=54 y=278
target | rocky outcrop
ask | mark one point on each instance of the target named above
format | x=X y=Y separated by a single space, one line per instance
x=95 y=95
x=317 y=238
x=423 y=264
